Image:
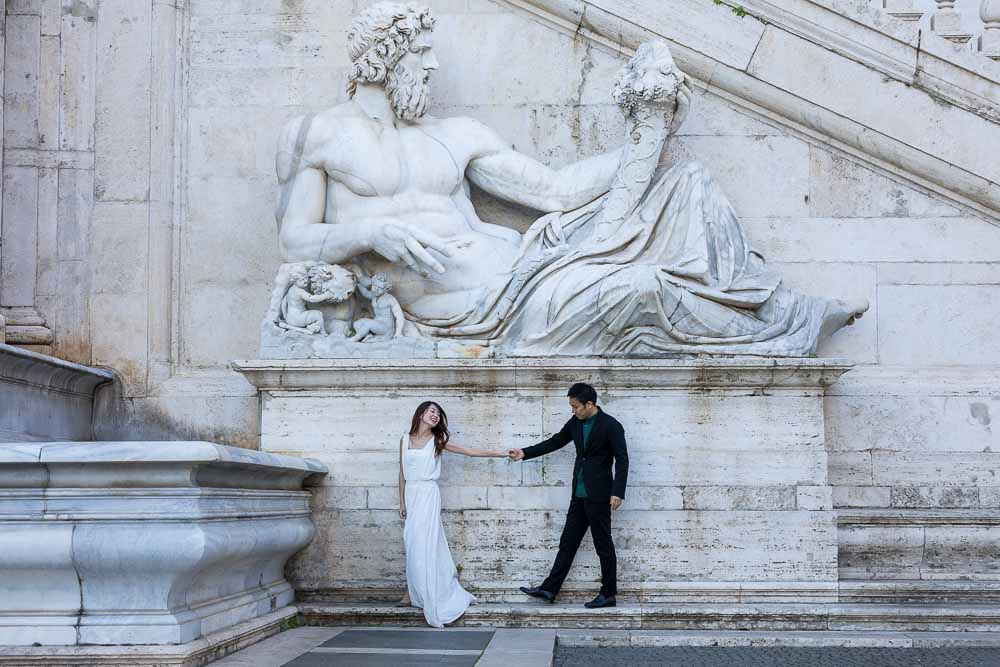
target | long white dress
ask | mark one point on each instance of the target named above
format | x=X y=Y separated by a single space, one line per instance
x=431 y=576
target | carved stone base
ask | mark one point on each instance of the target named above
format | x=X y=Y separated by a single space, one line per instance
x=144 y=542
x=728 y=495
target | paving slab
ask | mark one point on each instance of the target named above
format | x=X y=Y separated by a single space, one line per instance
x=520 y=648
x=700 y=656
x=414 y=639
x=280 y=649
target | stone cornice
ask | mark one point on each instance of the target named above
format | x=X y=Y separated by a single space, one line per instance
x=136 y=465
x=529 y=374
x=724 y=55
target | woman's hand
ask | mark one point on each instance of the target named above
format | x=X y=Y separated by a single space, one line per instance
x=402 y=512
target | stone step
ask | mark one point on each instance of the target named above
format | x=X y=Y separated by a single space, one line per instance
x=763 y=617
x=789 y=639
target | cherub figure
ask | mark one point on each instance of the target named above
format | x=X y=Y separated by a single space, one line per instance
x=295 y=312
x=387 y=320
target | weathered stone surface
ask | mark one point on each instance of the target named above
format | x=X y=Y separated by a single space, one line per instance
x=20 y=257
x=844 y=86
x=959 y=333
x=873 y=195
x=123 y=159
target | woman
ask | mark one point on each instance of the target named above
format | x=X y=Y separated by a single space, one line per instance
x=431 y=578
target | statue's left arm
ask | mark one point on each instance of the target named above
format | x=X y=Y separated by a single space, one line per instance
x=502 y=171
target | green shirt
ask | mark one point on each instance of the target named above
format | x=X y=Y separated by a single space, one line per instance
x=588 y=425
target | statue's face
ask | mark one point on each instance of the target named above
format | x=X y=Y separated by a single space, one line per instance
x=407 y=85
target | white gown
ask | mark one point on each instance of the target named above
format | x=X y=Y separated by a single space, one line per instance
x=431 y=576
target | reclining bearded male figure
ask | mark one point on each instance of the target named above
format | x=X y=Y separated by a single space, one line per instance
x=631 y=258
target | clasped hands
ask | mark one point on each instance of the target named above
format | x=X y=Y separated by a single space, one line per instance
x=518 y=455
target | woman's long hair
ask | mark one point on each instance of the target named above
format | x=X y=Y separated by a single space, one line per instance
x=440 y=431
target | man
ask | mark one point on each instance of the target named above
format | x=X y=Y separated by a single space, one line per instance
x=378 y=182
x=600 y=441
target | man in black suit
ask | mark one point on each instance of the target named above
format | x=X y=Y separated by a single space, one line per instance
x=600 y=441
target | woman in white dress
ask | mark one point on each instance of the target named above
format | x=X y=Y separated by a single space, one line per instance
x=431 y=578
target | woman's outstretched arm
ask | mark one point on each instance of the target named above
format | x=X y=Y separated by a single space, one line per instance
x=465 y=451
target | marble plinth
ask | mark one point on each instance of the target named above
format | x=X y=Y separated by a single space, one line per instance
x=728 y=498
x=144 y=542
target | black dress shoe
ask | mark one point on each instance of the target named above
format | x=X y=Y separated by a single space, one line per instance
x=601 y=601
x=540 y=593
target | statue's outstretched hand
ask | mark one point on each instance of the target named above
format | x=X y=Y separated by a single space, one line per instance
x=683 y=105
x=409 y=246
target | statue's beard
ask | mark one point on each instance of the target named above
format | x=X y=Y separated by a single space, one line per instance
x=407 y=95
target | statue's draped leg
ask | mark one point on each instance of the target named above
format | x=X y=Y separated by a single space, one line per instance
x=677 y=276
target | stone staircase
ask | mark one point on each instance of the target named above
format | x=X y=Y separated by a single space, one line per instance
x=893 y=94
x=629 y=615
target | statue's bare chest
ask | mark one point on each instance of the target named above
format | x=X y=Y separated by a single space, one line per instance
x=397 y=161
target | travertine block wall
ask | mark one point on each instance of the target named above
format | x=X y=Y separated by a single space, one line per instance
x=144 y=181
x=728 y=497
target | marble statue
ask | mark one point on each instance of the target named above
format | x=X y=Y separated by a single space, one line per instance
x=630 y=257
x=387 y=316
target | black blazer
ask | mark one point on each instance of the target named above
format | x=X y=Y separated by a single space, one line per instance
x=606 y=444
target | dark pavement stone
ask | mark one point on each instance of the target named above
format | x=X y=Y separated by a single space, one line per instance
x=381 y=660
x=699 y=656
x=424 y=639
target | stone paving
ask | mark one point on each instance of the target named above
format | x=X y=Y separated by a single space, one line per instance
x=507 y=647
x=688 y=656
x=390 y=647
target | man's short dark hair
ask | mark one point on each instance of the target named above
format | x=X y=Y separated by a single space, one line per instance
x=583 y=392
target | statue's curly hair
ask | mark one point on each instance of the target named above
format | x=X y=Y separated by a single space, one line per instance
x=380 y=36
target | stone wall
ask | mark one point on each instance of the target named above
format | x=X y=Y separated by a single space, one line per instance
x=144 y=181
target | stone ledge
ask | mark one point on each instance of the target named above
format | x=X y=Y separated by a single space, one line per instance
x=199 y=652
x=907 y=591
x=150 y=464
x=893 y=517
x=724 y=373
x=841 y=617
x=49 y=373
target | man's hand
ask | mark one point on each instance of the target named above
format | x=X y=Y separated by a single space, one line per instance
x=409 y=246
x=616 y=502
x=516 y=454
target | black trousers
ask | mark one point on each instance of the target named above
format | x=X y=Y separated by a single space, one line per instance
x=584 y=514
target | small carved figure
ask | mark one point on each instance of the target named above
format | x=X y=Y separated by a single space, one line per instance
x=387 y=320
x=295 y=312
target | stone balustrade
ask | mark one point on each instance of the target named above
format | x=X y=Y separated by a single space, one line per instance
x=115 y=543
x=989 y=41
x=950 y=20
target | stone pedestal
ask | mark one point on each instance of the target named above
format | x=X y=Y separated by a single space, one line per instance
x=728 y=497
x=144 y=542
